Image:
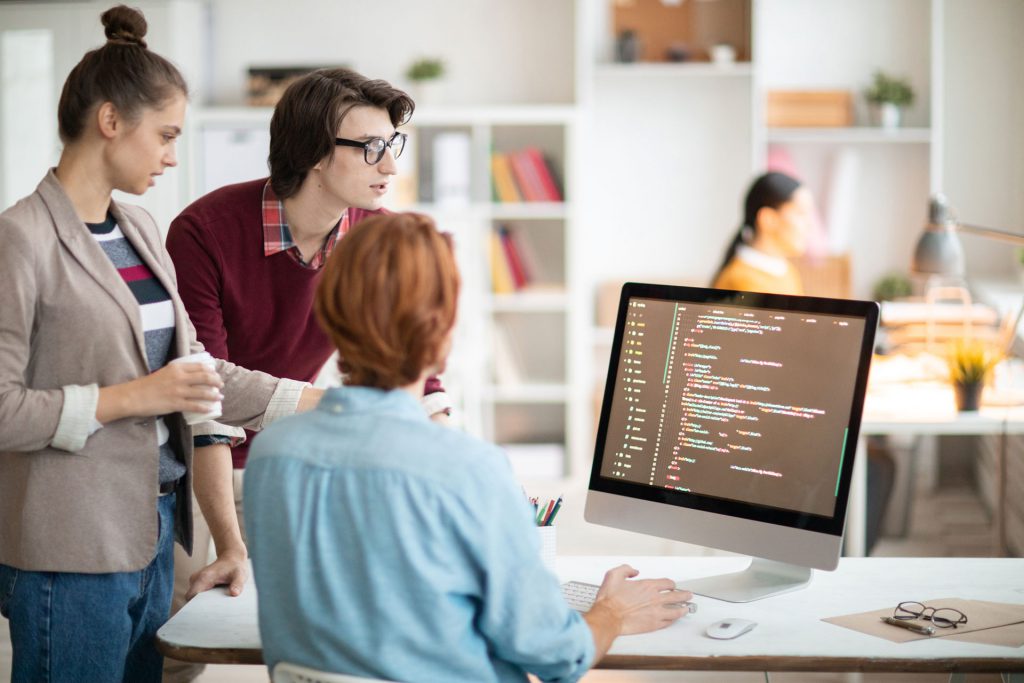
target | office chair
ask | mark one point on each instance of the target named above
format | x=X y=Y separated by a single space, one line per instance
x=286 y=672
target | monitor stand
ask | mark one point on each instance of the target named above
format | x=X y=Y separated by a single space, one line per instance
x=762 y=579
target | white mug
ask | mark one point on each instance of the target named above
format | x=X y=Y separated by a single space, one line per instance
x=203 y=358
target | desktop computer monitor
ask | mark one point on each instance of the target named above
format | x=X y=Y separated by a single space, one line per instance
x=730 y=420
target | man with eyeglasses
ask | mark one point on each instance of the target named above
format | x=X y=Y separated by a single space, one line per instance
x=248 y=258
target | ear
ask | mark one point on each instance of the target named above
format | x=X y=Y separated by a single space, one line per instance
x=767 y=220
x=108 y=120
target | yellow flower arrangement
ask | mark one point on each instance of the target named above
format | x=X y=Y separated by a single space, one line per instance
x=970 y=361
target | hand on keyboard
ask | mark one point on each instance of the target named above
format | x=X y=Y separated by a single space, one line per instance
x=580 y=596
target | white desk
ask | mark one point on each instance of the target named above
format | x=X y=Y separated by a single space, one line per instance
x=790 y=635
x=925 y=408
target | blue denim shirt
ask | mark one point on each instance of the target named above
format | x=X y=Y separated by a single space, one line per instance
x=387 y=546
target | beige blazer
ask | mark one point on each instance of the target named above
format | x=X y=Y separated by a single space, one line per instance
x=72 y=502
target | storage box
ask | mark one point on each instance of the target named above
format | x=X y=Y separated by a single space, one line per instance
x=809 y=108
x=266 y=84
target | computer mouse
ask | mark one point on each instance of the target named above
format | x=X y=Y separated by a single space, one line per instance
x=729 y=628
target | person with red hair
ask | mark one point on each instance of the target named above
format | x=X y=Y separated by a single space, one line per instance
x=387 y=546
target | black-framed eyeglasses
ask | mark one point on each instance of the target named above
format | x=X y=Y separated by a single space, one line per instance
x=941 y=617
x=373 y=149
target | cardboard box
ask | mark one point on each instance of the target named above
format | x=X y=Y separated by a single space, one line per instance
x=809 y=108
x=266 y=84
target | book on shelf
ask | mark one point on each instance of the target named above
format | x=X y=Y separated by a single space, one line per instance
x=527 y=256
x=501 y=275
x=526 y=176
x=523 y=176
x=505 y=189
x=514 y=262
x=520 y=277
x=549 y=189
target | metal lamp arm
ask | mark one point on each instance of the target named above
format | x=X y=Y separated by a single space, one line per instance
x=1003 y=235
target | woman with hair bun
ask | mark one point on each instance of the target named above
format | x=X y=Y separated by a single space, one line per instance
x=778 y=214
x=95 y=453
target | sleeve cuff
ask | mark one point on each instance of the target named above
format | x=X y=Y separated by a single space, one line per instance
x=212 y=440
x=236 y=434
x=284 y=401
x=437 y=402
x=77 y=417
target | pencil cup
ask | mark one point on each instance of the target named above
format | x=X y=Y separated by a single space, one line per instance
x=203 y=358
x=547 y=546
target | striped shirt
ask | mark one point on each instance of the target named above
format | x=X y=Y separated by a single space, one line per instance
x=157 y=313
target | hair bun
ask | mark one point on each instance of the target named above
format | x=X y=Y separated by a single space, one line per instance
x=124 y=25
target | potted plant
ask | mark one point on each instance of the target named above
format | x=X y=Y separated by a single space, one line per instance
x=889 y=95
x=426 y=76
x=970 y=361
x=892 y=287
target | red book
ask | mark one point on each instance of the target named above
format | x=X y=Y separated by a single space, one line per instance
x=526 y=177
x=515 y=264
x=544 y=176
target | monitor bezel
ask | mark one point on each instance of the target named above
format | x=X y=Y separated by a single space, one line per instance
x=867 y=310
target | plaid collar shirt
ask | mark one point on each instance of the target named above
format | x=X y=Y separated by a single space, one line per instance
x=277 y=236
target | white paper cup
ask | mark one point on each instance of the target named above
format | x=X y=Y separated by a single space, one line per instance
x=203 y=358
x=547 y=546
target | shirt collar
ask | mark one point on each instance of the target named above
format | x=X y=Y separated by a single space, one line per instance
x=773 y=265
x=349 y=399
x=277 y=236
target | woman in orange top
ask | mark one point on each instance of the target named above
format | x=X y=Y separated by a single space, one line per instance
x=778 y=215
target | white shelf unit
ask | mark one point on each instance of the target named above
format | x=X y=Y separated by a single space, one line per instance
x=682 y=198
x=526 y=399
x=676 y=70
x=849 y=136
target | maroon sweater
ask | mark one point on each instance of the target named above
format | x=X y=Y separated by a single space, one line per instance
x=251 y=309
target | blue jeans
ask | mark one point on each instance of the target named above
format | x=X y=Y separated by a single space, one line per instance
x=90 y=627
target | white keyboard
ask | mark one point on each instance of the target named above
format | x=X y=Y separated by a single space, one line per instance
x=580 y=596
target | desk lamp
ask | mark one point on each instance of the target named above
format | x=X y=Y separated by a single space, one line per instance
x=938 y=252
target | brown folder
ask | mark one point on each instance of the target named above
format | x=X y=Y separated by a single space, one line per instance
x=991 y=623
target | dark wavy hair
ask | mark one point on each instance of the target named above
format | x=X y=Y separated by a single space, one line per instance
x=307 y=117
x=123 y=71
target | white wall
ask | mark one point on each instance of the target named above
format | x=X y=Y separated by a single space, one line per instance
x=76 y=28
x=666 y=160
x=984 y=126
x=497 y=52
